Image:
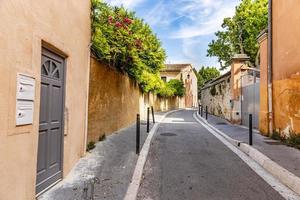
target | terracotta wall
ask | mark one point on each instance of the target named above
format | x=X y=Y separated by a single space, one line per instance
x=115 y=99
x=25 y=27
x=286 y=66
x=263 y=113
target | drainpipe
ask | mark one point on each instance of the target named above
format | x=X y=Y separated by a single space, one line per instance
x=87 y=99
x=270 y=64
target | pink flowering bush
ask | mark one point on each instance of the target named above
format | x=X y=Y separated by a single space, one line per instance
x=122 y=40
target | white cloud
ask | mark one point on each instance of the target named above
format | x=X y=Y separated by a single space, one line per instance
x=162 y=14
x=205 y=26
x=206 y=17
x=157 y=15
x=126 y=3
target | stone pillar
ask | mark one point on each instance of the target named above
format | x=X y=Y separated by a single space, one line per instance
x=237 y=62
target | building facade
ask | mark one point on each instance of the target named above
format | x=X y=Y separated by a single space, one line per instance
x=185 y=73
x=44 y=63
x=234 y=95
x=280 y=70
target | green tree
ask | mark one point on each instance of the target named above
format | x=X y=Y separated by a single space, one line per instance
x=205 y=74
x=177 y=86
x=172 y=88
x=126 y=42
x=239 y=33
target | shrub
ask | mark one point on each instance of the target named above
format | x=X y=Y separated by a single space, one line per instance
x=276 y=136
x=172 y=88
x=90 y=145
x=294 y=140
x=177 y=86
x=165 y=91
x=102 y=137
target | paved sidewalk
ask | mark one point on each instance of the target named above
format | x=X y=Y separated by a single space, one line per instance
x=112 y=162
x=286 y=156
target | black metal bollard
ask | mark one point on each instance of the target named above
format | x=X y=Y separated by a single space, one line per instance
x=138 y=131
x=206 y=113
x=152 y=109
x=250 y=130
x=201 y=111
x=199 y=106
x=148 y=120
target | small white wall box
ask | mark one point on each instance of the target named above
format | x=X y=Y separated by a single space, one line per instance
x=24 y=112
x=25 y=87
x=25 y=99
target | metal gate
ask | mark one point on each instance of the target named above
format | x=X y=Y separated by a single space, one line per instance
x=250 y=98
x=50 y=143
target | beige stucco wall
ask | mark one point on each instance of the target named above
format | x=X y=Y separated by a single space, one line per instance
x=115 y=99
x=191 y=90
x=286 y=66
x=64 y=25
x=170 y=75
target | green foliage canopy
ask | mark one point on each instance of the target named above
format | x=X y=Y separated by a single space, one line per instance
x=178 y=87
x=239 y=34
x=125 y=42
x=172 y=88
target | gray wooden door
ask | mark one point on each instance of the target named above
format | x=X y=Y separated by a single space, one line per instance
x=50 y=143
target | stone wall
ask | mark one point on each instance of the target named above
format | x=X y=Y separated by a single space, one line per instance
x=115 y=99
x=217 y=97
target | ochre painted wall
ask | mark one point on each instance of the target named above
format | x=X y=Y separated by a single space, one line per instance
x=286 y=66
x=286 y=104
x=115 y=99
x=65 y=25
x=286 y=42
x=263 y=113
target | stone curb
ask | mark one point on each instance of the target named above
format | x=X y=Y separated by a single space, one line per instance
x=283 y=175
x=133 y=188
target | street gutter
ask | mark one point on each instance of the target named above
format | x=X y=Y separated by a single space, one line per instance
x=285 y=177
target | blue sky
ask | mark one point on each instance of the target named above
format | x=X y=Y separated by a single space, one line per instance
x=185 y=27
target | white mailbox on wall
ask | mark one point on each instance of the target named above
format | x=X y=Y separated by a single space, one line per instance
x=25 y=99
x=24 y=112
x=25 y=87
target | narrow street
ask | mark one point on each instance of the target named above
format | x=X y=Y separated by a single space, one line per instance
x=187 y=162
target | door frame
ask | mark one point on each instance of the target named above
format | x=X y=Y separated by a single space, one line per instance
x=49 y=48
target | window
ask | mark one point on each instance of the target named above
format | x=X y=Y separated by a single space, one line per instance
x=164 y=78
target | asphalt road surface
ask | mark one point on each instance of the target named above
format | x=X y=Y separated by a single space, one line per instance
x=186 y=162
